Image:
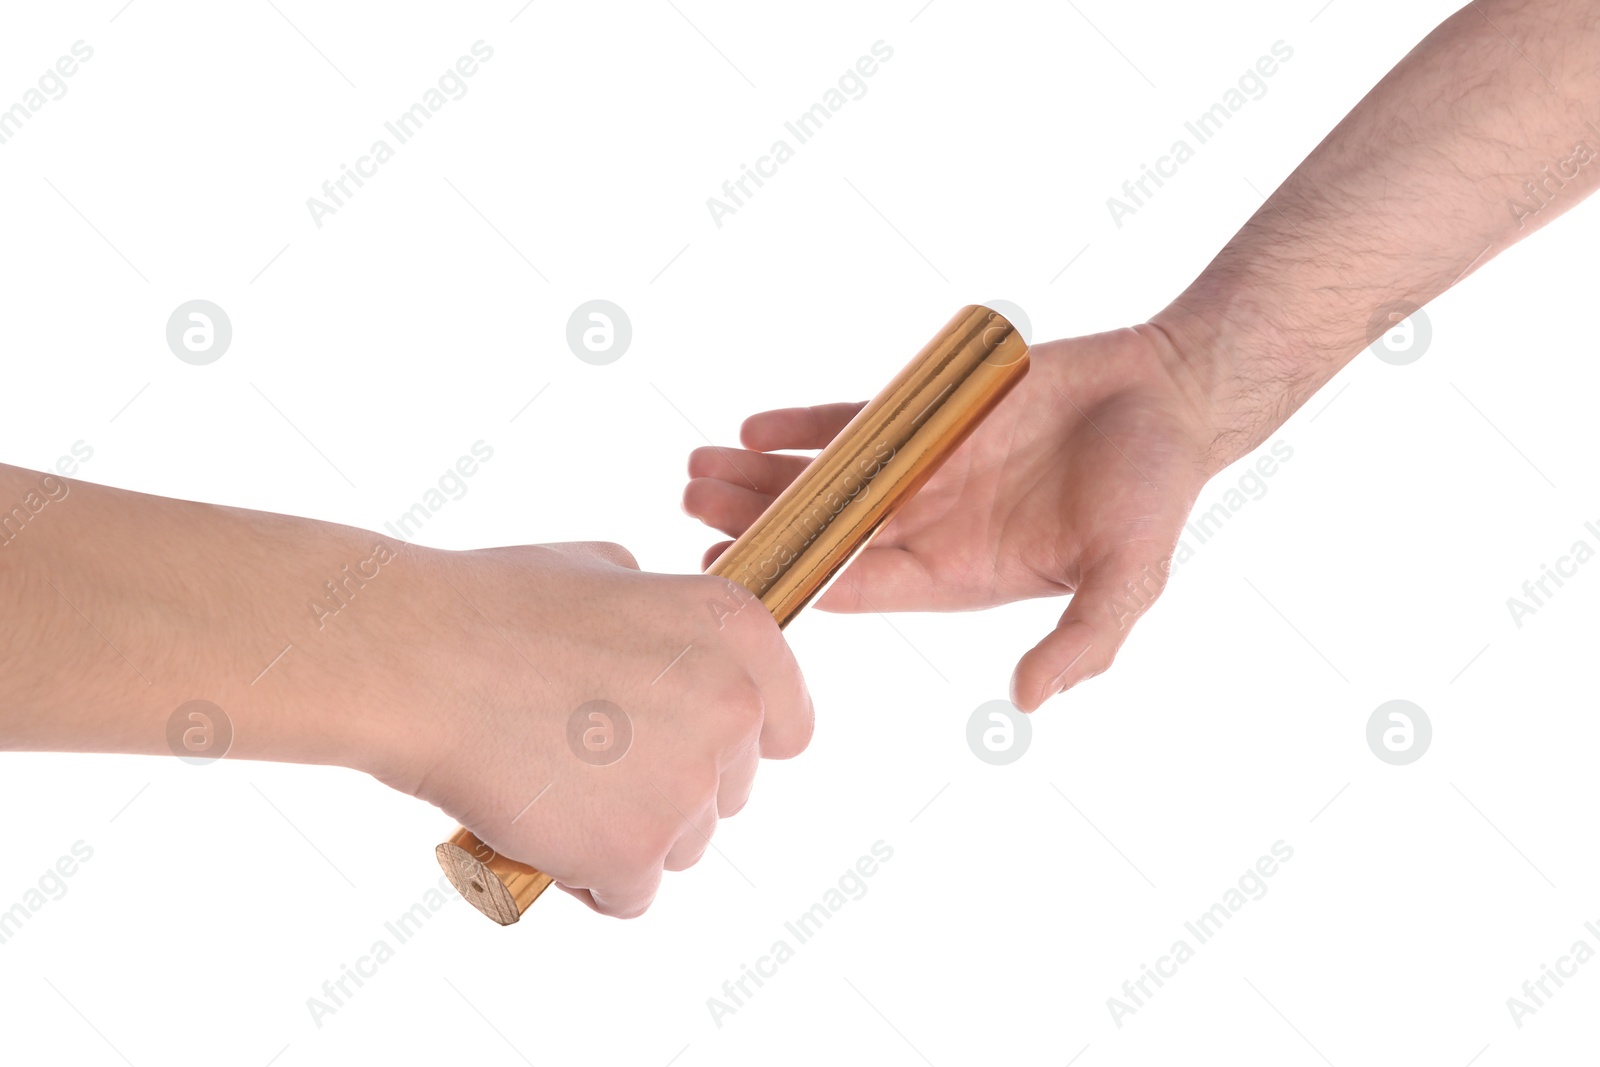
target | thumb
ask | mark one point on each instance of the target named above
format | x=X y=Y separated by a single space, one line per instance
x=1113 y=595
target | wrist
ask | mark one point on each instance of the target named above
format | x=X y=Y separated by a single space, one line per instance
x=353 y=650
x=324 y=639
x=1243 y=375
x=461 y=632
x=393 y=689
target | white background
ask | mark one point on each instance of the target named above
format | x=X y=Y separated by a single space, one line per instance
x=1019 y=898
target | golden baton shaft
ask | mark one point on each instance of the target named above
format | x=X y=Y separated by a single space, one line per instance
x=820 y=522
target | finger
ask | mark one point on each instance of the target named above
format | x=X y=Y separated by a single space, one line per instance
x=738 y=778
x=1111 y=598
x=879 y=580
x=692 y=843
x=764 y=473
x=694 y=823
x=713 y=553
x=626 y=899
x=898 y=580
x=725 y=506
x=767 y=703
x=811 y=427
x=688 y=851
x=587 y=896
x=787 y=715
x=579 y=892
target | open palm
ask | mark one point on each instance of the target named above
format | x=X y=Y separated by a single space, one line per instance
x=1079 y=482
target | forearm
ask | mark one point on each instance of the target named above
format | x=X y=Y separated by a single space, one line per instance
x=1427 y=178
x=120 y=607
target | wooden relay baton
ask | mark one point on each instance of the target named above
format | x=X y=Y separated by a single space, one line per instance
x=818 y=524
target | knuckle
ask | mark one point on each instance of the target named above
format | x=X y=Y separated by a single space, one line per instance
x=737 y=709
x=619 y=555
x=642 y=851
x=731 y=801
x=690 y=851
x=784 y=746
x=690 y=792
x=789 y=733
x=706 y=785
x=722 y=608
x=627 y=894
x=798 y=737
x=596 y=551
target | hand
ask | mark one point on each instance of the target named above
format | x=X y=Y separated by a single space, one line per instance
x=452 y=676
x=517 y=639
x=1079 y=482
